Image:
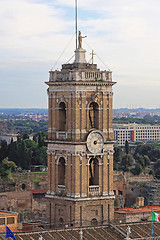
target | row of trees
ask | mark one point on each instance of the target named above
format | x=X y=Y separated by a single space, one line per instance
x=146 y=120
x=25 y=152
x=138 y=160
x=27 y=126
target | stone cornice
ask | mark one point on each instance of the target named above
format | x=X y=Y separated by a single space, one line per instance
x=73 y=142
x=80 y=199
x=81 y=83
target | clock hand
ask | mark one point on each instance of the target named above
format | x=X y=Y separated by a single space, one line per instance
x=97 y=142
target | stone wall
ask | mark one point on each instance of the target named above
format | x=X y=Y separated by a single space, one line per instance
x=127 y=187
x=17 y=195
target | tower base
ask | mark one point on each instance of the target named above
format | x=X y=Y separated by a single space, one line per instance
x=64 y=212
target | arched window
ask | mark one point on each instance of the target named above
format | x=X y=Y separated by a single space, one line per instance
x=61 y=171
x=61 y=222
x=62 y=116
x=94 y=115
x=94 y=172
x=94 y=222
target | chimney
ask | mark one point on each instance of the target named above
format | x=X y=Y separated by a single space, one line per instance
x=140 y=202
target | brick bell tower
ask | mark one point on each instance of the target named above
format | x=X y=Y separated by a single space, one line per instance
x=80 y=144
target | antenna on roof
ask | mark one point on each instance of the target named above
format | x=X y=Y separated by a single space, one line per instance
x=76 y=21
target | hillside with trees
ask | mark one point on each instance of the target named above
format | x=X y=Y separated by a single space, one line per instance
x=145 y=157
x=24 y=126
x=23 y=153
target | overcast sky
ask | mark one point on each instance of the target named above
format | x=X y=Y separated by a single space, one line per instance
x=125 y=35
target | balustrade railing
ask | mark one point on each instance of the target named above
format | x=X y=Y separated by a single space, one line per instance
x=94 y=190
x=61 y=135
x=61 y=189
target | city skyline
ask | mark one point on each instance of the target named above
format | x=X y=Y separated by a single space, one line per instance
x=123 y=34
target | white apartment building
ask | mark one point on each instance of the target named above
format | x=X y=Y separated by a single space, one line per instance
x=135 y=132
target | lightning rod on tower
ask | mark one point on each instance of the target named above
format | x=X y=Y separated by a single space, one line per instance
x=76 y=21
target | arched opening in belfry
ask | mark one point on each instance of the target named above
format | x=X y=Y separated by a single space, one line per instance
x=61 y=171
x=94 y=172
x=94 y=115
x=62 y=116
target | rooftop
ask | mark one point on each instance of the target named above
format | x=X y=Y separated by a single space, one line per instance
x=38 y=190
x=139 y=209
x=7 y=213
x=108 y=232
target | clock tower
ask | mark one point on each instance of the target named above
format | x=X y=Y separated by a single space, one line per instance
x=80 y=144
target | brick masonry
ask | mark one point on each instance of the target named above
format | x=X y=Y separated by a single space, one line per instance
x=78 y=105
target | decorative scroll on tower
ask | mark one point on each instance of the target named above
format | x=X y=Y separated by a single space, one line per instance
x=80 y=144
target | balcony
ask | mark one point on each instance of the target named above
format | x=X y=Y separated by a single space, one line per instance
x=94 y=190
x=61 y=135
x=61 y=189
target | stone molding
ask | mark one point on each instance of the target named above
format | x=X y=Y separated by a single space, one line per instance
x=79 y=199
x=57 y=158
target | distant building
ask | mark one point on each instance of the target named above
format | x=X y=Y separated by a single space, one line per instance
x=8 y=137
x=9 y=219
x=137 y=214
x=135 y=133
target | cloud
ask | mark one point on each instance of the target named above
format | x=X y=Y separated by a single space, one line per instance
x=124 y=34
x=25 y=25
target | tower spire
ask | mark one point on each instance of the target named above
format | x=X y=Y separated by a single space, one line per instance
x=76 y=21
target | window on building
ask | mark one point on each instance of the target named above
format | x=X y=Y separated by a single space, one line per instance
x=114 y=192
x=120 y=192
x=94 y=172
x=94 y=222
x=62 y=116
x=94 y=115
x=23 y=186
x=10 y=220
x=61 y=222
x=61 y=171
x=2 y=221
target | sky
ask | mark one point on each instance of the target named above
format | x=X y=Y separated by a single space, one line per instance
x=39 y=35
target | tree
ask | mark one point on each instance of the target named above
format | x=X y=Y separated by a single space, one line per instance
x=137 y=170
x=25 y=152
x=3 y=150
x=151 y=172
x=25 y=136
x=117 y=157
x=126 y=147
x=146 y=160
x=157 y=169
x=40 y=156
x=149 y=150
x=127 y=162
x=34 y=138
x=13 y=154
x=6 y=167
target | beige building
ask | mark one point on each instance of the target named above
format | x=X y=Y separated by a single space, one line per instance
x=80 y=144
x=135 y=132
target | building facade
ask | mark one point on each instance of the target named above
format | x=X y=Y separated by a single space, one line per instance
x=80 y=144
x=135 y=133
x=9 y=219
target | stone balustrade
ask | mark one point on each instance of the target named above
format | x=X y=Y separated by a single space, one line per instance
x=94 y=190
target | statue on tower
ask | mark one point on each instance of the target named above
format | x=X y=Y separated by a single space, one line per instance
x=80 y=39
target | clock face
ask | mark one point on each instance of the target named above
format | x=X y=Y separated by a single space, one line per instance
x=95 y=142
